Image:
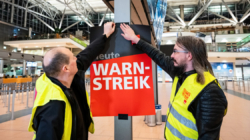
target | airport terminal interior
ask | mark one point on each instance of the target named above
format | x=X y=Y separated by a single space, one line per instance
x=30 y=28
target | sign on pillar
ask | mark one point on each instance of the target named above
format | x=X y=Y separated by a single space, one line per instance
x=121 y=76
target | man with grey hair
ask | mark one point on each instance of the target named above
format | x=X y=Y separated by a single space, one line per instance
x=61 y=108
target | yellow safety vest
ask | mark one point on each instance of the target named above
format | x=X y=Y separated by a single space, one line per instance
x=181 y=124
x=46 y=91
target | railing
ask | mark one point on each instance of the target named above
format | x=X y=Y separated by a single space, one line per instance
x=243 y=41
x=202 y=22
x=78 y=41
x=241 y=83
x=16 y=97
x=35 y=37
x=225 y=48
x=50 y=36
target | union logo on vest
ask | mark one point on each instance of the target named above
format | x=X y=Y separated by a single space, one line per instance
x=186 y=95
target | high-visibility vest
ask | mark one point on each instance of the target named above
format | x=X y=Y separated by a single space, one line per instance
x=180 y=123
x=47 y=91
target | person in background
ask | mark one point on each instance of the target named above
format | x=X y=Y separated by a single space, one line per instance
x=61 y=108
x=197 y=103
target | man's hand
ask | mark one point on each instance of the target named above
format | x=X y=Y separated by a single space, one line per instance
x=109 y=28
x=128 y=33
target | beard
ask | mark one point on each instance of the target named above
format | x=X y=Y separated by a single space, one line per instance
x=180 y=69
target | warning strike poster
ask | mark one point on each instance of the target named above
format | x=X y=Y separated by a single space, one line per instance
x=121 y=77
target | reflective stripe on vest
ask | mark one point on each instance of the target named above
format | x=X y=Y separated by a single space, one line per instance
x=182 y=119
x=176 y=133
x=181 y=123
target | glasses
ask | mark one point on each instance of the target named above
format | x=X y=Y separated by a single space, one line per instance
x=177 y=51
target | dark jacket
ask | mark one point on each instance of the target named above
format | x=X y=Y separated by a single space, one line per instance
x=209 y=106
x=49 y=119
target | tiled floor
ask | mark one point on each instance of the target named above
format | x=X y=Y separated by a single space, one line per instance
x=236 y=124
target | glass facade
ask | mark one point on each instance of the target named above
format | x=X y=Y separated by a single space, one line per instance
x=19 y=16
x=94 y=18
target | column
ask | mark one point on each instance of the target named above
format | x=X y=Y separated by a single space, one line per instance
x=123 y=127
x=30 y=32
x=182 y=11
x=24 y=67
x=239 y=29
x=1 y=66
x=36 y=73
x=12 y=12
x=14 y=71
x=29 y=71
x=42 y=51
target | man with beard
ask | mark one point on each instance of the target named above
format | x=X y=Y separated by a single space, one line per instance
x=197 y=103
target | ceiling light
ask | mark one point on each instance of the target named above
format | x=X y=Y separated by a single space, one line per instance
x=4 y=47
x=36 y=46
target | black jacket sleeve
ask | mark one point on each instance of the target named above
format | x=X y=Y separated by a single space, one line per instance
x=210 y=108
x=165 y=62
x=88 y=55
x=48 y=121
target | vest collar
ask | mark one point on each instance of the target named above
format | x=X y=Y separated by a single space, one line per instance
x=183 y=76
x=57 y=82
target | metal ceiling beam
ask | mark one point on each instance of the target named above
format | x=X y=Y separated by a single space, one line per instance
x=55 y=24
x=200 y=12
x=37 y=3
x=44 y=22
x=45 y=12
x=60 y=25
x=25 y=14
x=174 y=19
x=43 y=4
x=90 y=7
x=241 y=1
x=222 y=17
x=30 y=11
x=34 y=5
x=183 y=23
x=230 y=12
x=245 y=15
x=71 y=25
x=78 y=14
x=12 y=11
x=100 y=24
x=244 y=18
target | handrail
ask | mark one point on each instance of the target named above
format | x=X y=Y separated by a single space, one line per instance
x=78 y=41
x=243 y=41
